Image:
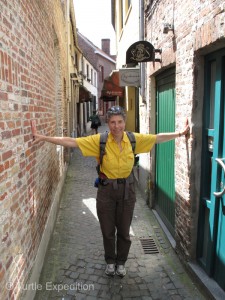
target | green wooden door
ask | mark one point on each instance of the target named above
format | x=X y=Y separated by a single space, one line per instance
x=165 y=122
x=211 y=248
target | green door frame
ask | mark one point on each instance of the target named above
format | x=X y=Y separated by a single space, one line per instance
x=165 y=174
x=212 y=174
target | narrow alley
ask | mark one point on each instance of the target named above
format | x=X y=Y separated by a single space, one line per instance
x=74 y=264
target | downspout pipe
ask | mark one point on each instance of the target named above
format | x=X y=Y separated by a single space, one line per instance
x=141 y=38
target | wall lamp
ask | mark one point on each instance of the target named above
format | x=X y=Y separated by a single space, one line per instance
x=167 y=27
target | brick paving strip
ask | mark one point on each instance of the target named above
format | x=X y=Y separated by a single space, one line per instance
x=74 y=264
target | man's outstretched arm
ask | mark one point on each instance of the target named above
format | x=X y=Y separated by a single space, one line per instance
x=168 y=136
x=63 y=141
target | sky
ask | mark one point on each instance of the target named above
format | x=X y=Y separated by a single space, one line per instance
x=93 y=20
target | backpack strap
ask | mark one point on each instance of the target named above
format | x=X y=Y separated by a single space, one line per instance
x=103 y=139
x=132 y=140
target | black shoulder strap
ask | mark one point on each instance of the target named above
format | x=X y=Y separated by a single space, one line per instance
x=132 y=139
x=103 y=139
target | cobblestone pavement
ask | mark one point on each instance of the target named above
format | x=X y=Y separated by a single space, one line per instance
x=74 y=264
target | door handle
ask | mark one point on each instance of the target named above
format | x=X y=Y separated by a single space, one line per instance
x=221 y=163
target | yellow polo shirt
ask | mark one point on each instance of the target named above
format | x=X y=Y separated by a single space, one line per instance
x=116 y=163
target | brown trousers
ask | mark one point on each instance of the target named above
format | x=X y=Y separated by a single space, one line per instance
x=115 y=216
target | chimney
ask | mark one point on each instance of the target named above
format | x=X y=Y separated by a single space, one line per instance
x=106 y=46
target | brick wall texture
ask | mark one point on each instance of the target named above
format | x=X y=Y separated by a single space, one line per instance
x=32 y=84
x=199 y=28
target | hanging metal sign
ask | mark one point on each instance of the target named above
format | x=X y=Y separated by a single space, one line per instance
x=141 y=51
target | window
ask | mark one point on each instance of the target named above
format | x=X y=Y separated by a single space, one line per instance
x=82 y=66
x=101 y=73
x=95 y=79
x=76 y=60
x=87 y=71
x=92 y=76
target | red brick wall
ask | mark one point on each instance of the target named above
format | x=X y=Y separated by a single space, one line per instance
x=29 y=89
x=199 y=28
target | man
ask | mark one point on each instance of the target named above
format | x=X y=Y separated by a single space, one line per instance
x=116 y=195
x=95 y=122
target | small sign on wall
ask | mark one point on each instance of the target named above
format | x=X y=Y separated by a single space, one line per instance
x=129 y=77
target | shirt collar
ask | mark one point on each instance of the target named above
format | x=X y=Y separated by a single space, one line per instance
x=125 y=137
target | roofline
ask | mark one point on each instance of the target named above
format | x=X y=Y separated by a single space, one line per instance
x=97 y=49
x=105 y=56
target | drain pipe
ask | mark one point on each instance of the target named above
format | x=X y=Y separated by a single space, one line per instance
x=141 y=38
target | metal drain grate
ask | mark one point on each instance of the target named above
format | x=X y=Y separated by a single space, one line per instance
x=149 y=246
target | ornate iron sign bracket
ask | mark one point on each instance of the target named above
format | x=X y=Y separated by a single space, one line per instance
x=141 y=51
